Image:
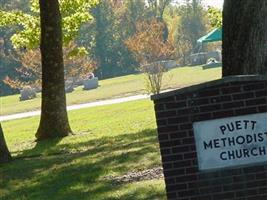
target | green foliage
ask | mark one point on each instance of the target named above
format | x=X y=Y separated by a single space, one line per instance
x=134 y=11
x=189 y=22
x=74 y=14
x=7 y=63
x=193 y=21
x=104 y=37
x=215 y=17
x=111 y=26
x=14 y=5
x=115 y=22
x=28 y=36
x=150 y=48
x=79 y=51
x=156 y=8
x=19 y=21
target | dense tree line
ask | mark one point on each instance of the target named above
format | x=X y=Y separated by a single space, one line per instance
x=7 y=64
x=103 y=37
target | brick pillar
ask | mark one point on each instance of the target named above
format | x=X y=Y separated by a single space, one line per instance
x=176 y=111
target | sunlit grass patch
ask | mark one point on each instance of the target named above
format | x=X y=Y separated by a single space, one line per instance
x=108 y=141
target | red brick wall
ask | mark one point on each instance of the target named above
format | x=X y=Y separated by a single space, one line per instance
x=177 y=110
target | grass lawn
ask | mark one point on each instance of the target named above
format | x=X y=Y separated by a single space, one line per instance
x=116 y=87
x=109 y=141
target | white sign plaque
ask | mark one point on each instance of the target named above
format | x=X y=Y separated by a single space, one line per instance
x=231 y=142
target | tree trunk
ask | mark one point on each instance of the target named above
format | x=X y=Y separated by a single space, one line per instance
x=244 y=37
x=54 y=119
x=4 y=153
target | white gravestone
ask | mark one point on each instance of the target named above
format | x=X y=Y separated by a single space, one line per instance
x=231 y=142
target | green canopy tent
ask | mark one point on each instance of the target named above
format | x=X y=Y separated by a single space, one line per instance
x=202 y=57
x=213 y=36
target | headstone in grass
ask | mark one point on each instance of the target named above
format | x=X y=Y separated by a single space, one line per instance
x=27 y=93
x=69 y=86
x=89 y=84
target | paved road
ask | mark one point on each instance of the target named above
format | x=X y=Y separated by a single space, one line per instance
x=76 y=107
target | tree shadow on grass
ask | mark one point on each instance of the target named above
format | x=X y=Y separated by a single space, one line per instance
x=80 y=175
x=41 y=148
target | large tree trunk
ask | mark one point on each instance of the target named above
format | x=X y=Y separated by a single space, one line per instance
x=54 y=119
x=244 y=37
x=4 y=153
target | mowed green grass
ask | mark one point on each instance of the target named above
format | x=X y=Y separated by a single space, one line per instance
x=108 y=141
x=116 y=87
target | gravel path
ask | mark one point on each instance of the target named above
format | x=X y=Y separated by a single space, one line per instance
x=149 y=174
x=76 y=107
